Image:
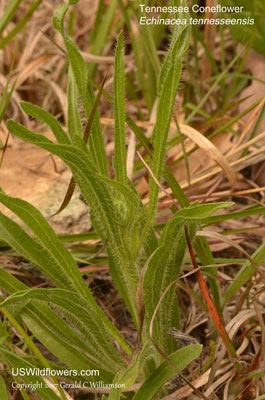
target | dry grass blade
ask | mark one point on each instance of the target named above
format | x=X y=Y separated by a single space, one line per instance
x=225 y=239
x=248 y=126
x=187 y=390
x=4 y=150
x=218 y=382
x=247 y=144
x=68 y=196
x=156 y=181
x=211 y=150
x=261 y=322
x=130 y=156
x=93 y=110
x=33 y=66
x=248 y=391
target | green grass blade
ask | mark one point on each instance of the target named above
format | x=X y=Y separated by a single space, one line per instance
x=245 y=273
x=143 y=82
x=8 y=13
x=33 y=7
x=5 y=96
x=100 y=39
x=245 y=212
x=219 y=78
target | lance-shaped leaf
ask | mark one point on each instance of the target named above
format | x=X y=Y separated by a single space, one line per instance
x=47 y=252
x=39 y=113
x=97 y=194
x=54 y=333
x=165 y=265
x=74 y=119
x=95 y=140
x=119 y=112
x=181 y=358
x=80 y=315
x=169 y=77
x=79 y=79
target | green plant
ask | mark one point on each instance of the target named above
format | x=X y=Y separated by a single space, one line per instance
x=255 y=32
x=67 y=320
x=8 y=13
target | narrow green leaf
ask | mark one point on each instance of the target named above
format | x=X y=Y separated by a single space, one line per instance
x=74 y=120
x=181 y=358
x=57 y=254
x=105 y=219
x=39 y=113
x=244 y=212
x=128 y=377
x=15 y=236
x=53 y=331
x=79 y=68
x=96 y=144
x=119 y=112
x=164 y=267
x=100 y=40
x=245 y=273
x=85 y=320
x=58 y=17
x=3 y=390
x=164 y=114
x=18 y=129
x=21 y=23
x=168 y=83
x=8 y=13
